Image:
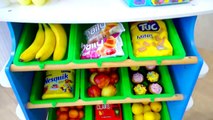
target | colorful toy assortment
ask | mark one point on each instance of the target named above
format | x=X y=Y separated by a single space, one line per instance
x=145 y=80
x=137 y=3
x=150 y=39
x=103 y=40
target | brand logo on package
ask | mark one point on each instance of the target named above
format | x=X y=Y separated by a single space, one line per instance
x=148 y=26
x=56 y=79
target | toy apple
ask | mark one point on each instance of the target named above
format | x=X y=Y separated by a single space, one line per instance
x=113 y=78
x=102 y=80
x=92 y=70
x=108 y=91
x=91 y=79
x=101 y=70
x=94 y=91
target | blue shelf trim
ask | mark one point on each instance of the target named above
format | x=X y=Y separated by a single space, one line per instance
x=184 y=76
x=21 y=82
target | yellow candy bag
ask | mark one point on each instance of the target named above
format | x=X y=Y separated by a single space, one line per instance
x=59 y=84
x=150 y=39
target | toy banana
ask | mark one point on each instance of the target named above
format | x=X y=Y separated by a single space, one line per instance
x=61 y=41
x=30 y=53
x=49 y=45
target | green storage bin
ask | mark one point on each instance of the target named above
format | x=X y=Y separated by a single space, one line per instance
x=120 y=86
x=164 y=112
x=178 y=50
x=78 y=37
x=87 y=113
x=164 y=80
x=27 y=37
x=38 y=85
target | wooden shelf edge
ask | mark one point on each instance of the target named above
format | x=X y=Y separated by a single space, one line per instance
x=126 y=63
x=81 y=102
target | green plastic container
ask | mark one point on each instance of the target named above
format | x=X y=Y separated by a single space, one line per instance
x=120 y=86
x=78 y=37
x=164 y=80
x=178 y=50
x=27 y=37
x=164 y=112
x=37 y=91
x=87 y=112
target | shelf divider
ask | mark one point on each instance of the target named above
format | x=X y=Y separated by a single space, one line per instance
x=81 y=102
x=126 y=63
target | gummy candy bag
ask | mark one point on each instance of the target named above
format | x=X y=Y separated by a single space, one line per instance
x=103 y=40
x=150 y=38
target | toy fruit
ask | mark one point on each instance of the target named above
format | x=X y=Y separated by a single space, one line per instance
x=25 y=2
x=101 y=70
x=58 y=112
x=147 y=108
x=149 y=116
x=94 y=91
x=137 y=108
x=113 y=78
x=79 y=107
x=73 y=113
x=80 y=114
x=64 y=109
x=109 y=90
x=92 y=70
x=63 y=116
x=91 y=79
x=138 y=117
x=101 y=80
x=156 y=106
x=39 y=2
x=157 y=116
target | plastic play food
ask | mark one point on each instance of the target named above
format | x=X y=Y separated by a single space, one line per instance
x=156 y=106
x=152 y=76
x=103 y=40
x=108 y=91
x=155 y=88
x=108 y=112
x=59 y=84
x=150 y=39
x=137 y=108
x=137 y=78
x=140 y=89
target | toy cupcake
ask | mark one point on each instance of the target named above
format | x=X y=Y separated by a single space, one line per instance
x=150 y=67
x=155 y=88
x=137 y=78
x=140 y=89
x=135 y=68
x=152 y=76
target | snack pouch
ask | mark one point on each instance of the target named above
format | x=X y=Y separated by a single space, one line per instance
x=150 y=39
x=103 y=40
x=102 y=30
x=59 y=84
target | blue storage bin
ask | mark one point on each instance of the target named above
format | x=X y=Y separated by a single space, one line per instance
x=139 y=3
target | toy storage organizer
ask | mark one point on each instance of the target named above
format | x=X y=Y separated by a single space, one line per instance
x=184 y=77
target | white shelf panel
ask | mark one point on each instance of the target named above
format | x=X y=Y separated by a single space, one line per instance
x=95 y=11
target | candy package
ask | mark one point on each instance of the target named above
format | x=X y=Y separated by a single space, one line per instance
x=59 y=84
x=103 y=40
x=150 y=39
x=108 y=112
